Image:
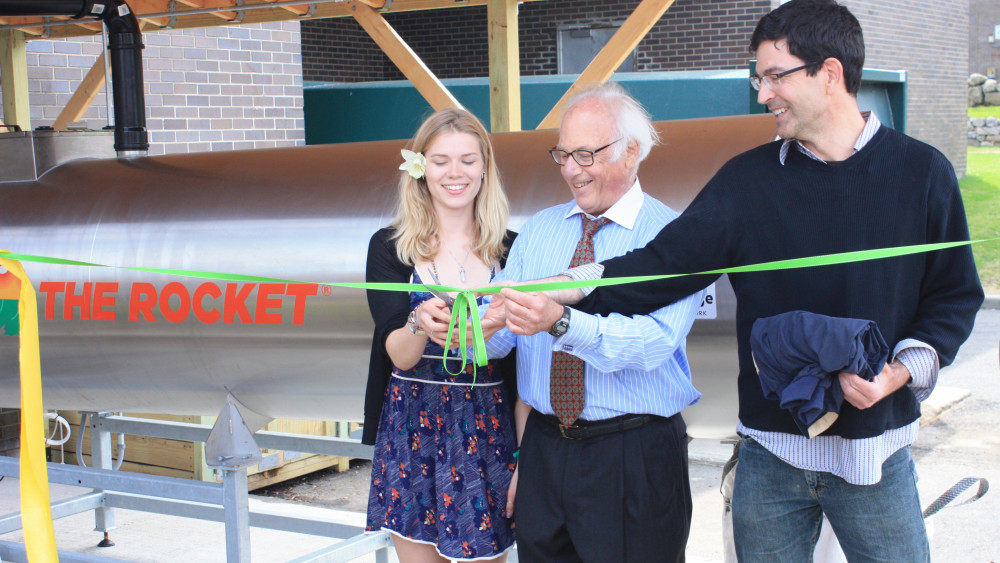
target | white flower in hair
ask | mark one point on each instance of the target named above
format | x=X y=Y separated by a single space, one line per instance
x=414 y=163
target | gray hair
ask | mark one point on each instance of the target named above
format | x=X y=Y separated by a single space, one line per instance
x=632 y=121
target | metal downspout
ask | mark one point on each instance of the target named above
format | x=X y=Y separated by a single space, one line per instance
x=125 y=52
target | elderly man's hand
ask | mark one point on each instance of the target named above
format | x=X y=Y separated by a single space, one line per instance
x=530 y=313
x=863 y=393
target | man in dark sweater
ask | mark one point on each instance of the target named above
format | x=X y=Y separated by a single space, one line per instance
x=837 y=181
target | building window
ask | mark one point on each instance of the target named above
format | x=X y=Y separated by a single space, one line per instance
x=578 y=45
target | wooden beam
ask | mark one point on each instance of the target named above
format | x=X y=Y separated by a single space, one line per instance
x=635 y=28
x=95 y=27
x=84 y=95
x=297 y=10
x=150 y=7
x=402 y=56
x=22 y=20
x=14 y=87
x=505 y=66
x=226 y=15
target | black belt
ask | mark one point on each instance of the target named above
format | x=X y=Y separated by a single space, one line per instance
x=586 y=429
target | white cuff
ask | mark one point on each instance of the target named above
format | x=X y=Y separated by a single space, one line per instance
x=587 y=272
x=921 y=360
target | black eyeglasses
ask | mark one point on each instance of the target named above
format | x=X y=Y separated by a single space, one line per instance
x=773 y=81
x=582 y=157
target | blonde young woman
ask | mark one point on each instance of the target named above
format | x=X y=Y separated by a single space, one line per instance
x=444 y=447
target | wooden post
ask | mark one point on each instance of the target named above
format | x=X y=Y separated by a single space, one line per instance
x=505 y=66
x=14 y=70
x=403 y=57
x=83 y=97
x=635 y=28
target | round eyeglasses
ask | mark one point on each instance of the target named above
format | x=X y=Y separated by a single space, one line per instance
x=582 y=157
x=773 y=80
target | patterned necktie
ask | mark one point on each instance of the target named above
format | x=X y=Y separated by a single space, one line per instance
x=566 y=390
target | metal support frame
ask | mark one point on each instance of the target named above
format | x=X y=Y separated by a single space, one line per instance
x=227 y=502
x=101 y=456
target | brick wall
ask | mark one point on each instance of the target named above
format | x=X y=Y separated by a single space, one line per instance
x=920 y=36
x=984 y=16
x=219 y=88
x=692 y=34
x=340 y=47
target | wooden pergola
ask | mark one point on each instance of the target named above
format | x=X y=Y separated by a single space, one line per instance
x=155 y=15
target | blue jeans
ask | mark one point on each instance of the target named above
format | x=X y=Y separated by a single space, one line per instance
x=777 y=511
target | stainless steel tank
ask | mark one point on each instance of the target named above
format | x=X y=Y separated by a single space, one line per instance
x=114 y=339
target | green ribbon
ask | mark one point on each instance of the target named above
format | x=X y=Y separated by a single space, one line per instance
x=465 y=308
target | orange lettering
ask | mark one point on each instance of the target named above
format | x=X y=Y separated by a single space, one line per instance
x=181 y=313
x=50 y=289
x=265 y=301
x=101 y=301
x=72 y=300
x=206 y=290
x=235 y=303
x=301 y=291
x=142 y=300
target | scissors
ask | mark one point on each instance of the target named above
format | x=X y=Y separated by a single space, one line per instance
x=448 y=300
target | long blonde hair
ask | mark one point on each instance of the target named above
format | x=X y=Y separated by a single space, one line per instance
x=416 y=222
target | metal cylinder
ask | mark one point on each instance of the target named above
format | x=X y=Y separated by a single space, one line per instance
x=114 y=339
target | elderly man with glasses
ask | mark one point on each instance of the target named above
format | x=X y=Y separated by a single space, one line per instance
x=837 y=181
x=602 y=470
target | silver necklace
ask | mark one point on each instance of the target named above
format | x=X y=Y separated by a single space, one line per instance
x=461 y=265
x=434 y=273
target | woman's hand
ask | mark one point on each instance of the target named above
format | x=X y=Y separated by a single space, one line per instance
x=433 y=317
x=492 y=321
x=511 y=493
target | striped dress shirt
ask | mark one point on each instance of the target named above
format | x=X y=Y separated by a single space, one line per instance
x=634 y=365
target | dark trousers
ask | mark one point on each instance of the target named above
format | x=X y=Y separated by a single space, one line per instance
x=619 y=497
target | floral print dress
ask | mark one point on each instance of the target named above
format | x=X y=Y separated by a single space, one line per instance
x=444 y=457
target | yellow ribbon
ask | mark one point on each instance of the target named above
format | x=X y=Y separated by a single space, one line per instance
x=36 y=514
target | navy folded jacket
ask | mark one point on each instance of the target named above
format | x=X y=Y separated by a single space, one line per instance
x=799 y=354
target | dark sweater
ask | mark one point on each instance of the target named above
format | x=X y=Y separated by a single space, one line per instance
x=389 y=310
x=896 y=191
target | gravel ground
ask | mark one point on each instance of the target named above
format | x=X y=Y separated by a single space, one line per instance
x=327 y=488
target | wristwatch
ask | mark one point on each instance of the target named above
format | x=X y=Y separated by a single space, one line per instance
x=562 y=325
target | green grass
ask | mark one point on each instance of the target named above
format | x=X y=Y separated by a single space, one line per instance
x=985 y=111
x=981 y=194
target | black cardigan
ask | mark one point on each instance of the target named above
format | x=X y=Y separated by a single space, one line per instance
x=389 y=310
x=895 y=191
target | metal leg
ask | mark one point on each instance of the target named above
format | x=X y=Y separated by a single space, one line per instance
x=101 y=457
x=237 y=507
